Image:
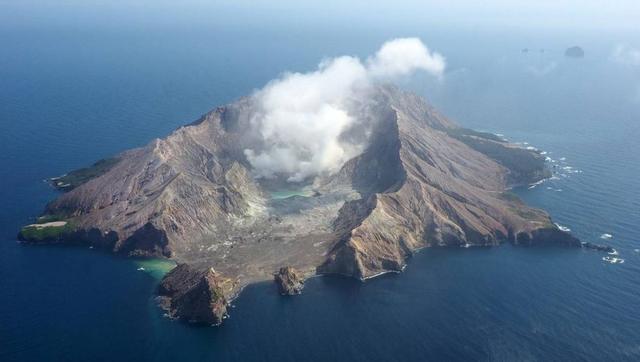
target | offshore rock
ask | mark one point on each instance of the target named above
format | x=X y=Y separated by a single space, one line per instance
x=193 y=295
x=289 y=281
x=598 y=247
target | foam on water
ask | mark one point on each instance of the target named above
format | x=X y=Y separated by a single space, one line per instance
x=563 y=228
x=613 y=260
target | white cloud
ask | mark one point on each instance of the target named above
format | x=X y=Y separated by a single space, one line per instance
x=624 y=54
x=402 y=56
x=302 y=117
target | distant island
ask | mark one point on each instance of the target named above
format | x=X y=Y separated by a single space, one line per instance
x=574 y=52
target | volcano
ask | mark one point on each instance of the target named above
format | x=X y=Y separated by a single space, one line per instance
x=421 y=181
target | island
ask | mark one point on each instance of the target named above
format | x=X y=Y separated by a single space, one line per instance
x=574 y=52
x=421 y=181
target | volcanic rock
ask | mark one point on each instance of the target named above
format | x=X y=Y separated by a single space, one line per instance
x=193 y=295
x=289 y=281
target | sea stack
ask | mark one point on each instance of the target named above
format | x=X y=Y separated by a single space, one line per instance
x=289 y=281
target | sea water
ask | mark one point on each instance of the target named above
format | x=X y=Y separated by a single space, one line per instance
x=70 y=97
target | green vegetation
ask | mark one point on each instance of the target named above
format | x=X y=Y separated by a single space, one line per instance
x=76 y=178
x=510 y=196
x=524 y=211
x=50 y=218
x=461 y=132
x=525 y=165
x=529 y=213
x=41 y=233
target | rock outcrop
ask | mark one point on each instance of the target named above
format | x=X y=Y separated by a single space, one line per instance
x=598 y=247
x=193 y=295
x=289 y=281
x=422 y=181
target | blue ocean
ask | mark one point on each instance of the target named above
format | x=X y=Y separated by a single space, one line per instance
x=75 y=88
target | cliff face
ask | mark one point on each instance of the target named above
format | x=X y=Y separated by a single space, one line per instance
x=447 y=194
x=422 y=181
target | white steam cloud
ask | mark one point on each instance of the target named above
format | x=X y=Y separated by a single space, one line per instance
x=302 y=117
x=624 y=54
x=403 y=56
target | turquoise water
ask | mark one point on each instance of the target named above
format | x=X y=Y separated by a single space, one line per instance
x=156 y=268
x=69 y=97
x=283 y=194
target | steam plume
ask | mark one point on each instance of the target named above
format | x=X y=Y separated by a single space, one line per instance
x=301 y=117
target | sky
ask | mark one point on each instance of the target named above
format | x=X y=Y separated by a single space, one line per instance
x=332 y=28
x=577 y=15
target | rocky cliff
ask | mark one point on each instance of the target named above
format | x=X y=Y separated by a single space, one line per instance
x=421 y=181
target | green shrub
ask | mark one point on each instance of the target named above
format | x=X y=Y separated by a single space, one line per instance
x=76 y=178
x=35 y=233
